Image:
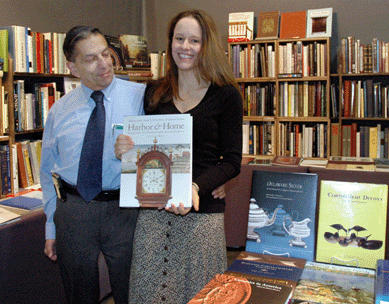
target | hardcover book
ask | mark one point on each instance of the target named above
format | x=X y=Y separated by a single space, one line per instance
x=7 y=215
x=381 y=284
x=23 y=202
x=350 y=224
x=282 y=214
x=116 y=52
x=268 y=25
x=282 y=160
x=252 y=278
x=240 y=26
x=328 y=284
x=293 y=25
x=319 y=22
x=157 y=172
x=134 y=51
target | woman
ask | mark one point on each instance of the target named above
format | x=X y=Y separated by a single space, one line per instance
x=178 y=250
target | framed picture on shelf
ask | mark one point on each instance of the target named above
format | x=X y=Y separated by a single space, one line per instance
x=319 y=22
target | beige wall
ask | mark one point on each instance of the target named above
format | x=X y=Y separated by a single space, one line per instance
x=363 y=19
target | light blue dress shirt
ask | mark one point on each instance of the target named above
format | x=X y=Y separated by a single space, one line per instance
x=64 y=134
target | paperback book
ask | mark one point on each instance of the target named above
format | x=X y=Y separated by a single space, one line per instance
x=253 y=278
x=350 y=223
x=282 y=214
x=329 y=284
x=7 y=215
x=157 y=172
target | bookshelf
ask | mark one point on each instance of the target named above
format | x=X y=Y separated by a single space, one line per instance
x=286 y=89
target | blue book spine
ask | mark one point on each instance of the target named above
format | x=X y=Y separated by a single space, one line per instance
x=381 y=286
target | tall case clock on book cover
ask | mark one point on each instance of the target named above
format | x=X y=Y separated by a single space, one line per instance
x=282 y=214
x=352 y=223
x=158 y=170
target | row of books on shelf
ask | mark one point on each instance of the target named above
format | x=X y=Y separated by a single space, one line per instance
x=253 y=60
x=32 y=51
x=364 y=99
x=296 y=59
x=360 y=141
x=36 y=52
x=295 y=139
x=258 y=99
x=272 y=25
x=31 y=105
x=302 y=99
x=356 y=57
x=24 y=167
x=303 y=59
x=258 y=138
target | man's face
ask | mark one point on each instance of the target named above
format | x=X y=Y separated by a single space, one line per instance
x=93 y=63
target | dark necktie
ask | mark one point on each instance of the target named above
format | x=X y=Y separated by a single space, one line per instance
x=89 y=181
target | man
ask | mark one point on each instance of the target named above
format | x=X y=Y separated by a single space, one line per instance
x=79 y=226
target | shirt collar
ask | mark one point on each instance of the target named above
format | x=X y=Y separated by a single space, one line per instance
x=108 y=91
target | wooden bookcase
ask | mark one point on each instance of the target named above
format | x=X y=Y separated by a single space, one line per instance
x=363 y=118
x=30 y=79
x=296 y=102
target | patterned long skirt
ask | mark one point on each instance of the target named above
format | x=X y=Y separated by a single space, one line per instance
x=175 y=256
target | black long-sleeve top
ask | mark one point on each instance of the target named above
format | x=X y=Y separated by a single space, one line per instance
x=217 y=140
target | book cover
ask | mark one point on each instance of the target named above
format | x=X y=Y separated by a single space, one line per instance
x=116 y=52
x=23 y=202
x=351 y=217
x=329 y=284
x=282 y=214
x=268 y=25
x=134 y=51
x=240 y=26
x=381 y=283
x=293 y=25
x=158 y=170
x=282 y=160
x=314 y=163
x=360 y=167
x=7 y=215
x=351 y=160
x=319 y=22
x=272 y=278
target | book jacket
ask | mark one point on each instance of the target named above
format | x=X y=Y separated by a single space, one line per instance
x=329 y=284
x=282 y=214
x=253 y=278
x=352 y=223
x=268 y=25
x=381 y=284
x=158 y=170
x=240 y=27
x=134 y=51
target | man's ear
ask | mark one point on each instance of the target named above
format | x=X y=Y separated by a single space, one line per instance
x=72 y=67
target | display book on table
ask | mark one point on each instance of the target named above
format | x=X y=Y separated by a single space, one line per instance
x=351 y=218
x=29 y=201
x=381 y=284
x=329 y=284
x=254 y=278
x=170 y=137
x=282 y=214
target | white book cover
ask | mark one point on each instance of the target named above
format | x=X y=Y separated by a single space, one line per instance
x=157 y=172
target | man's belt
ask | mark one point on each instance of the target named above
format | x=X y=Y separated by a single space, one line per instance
x=104 y=196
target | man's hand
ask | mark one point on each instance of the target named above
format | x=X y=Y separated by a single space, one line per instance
x=123 y=144
x=50 y=250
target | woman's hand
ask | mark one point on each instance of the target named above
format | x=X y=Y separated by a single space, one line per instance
x=181 y=210
x=123 y=144
x=219 y=192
